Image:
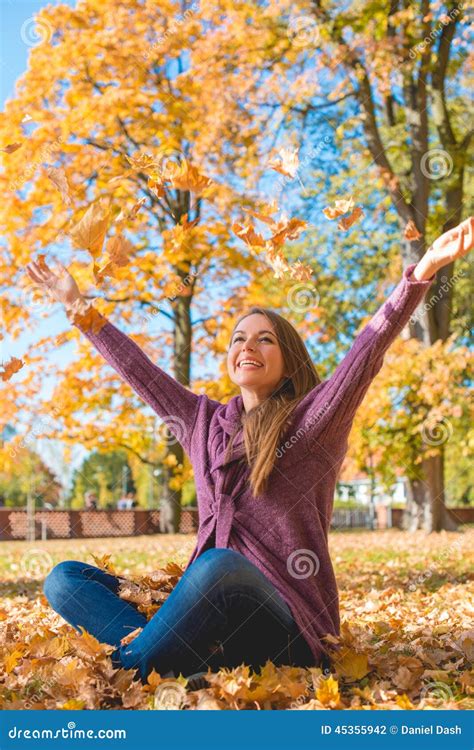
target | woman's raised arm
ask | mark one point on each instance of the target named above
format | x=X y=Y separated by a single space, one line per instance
x=173 y=402
x=330 y=407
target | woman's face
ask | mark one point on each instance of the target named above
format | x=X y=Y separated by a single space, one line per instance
x=254 y=339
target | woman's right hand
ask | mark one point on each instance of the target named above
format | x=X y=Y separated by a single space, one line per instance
x=61 y=285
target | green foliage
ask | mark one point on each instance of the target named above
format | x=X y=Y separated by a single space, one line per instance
x=28 y=473
x=103 y=474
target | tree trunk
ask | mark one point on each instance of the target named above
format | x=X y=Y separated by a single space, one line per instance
x=425 y=508
x=170 y=504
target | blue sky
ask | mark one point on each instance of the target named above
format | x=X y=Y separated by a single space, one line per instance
x=16 y=26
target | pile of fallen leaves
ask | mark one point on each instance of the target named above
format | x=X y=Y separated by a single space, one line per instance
x=406 y=631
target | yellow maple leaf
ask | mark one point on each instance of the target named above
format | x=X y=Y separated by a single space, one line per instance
x=12 y=660
x=72 y=705
x=89 y=233
x=404 y=702
x=328 y=691
x=184 y=176
x=103 y=562
x=352 y=665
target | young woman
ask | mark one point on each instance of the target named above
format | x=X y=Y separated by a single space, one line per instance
x=259 y=584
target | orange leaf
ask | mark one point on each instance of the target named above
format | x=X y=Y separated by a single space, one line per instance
x=12 y=147
x=184 y=176
x=340 y=207
x=348 y=221
x=10 y=368
x=411 y=232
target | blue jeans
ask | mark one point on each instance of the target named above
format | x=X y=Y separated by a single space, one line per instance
x=223 y=612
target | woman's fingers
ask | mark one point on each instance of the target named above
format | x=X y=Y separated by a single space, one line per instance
x=33 y=274
x=39 y=275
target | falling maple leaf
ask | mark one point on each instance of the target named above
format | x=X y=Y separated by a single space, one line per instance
x=10 y=368
x=339 y=208
x=265 y=214
x=130 y=637
x=287 y=230
x=347 y=221
x=411 y=232
x=282 y=230
x=89 y=233
x=118 y=249
x=59 y=180
x=286 y=162
x=129 y=215
x=156 y=186
x=12 y=147
x=185 y=176
x=247 y=233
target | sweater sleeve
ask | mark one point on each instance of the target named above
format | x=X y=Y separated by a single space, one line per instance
x=174 y=403
x=332 y=404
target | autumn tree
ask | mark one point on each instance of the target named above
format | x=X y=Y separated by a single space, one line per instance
x=23 y=473
x=388 y=82
x=103 y=140
x=107 y=474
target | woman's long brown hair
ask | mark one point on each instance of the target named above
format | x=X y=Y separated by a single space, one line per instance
x=264 y=425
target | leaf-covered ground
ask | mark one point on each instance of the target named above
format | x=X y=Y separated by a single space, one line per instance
x=407 y=640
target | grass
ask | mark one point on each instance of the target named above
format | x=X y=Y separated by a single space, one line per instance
x=406 y=604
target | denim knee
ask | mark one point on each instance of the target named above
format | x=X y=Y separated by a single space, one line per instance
x=220 y=564
x=58 y=578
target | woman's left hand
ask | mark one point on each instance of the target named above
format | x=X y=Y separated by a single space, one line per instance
x=453 y=244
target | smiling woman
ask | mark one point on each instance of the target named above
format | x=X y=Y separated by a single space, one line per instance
x=268 y=360
x=260 y=581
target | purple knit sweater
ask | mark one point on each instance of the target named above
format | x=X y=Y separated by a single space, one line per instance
x=284 y=531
